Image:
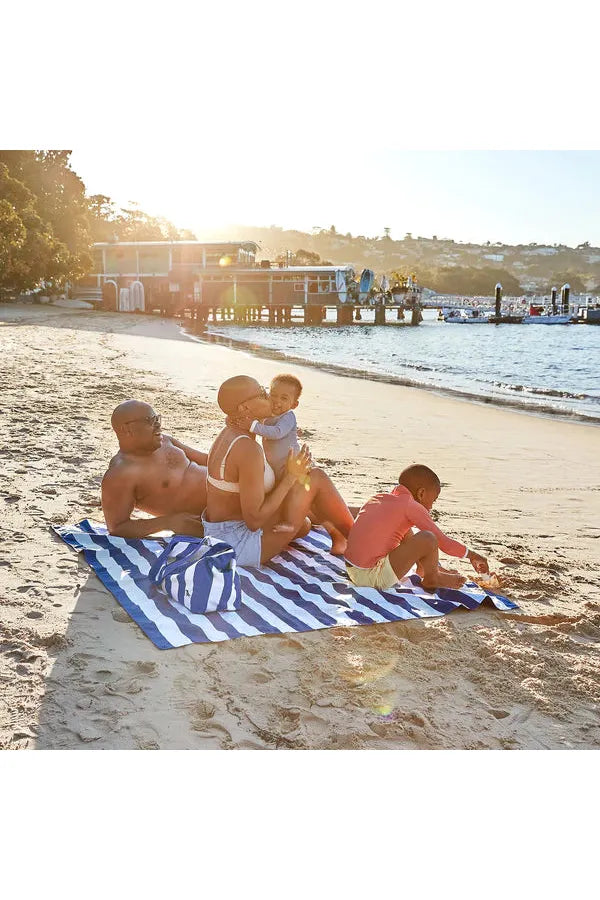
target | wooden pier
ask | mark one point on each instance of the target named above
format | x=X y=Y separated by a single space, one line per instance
x=310 y=315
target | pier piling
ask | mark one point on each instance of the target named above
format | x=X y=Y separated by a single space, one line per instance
x=565 y=294
x=344 y=315
x=498 y=310
x=553 y=295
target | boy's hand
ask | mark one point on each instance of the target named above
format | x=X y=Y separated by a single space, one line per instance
x=479 y=562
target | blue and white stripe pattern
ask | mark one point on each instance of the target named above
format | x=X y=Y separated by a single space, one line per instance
x=303 y=589
x=199 y=573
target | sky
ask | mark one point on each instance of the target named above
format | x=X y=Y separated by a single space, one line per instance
x=506 y=195
x=464 y=120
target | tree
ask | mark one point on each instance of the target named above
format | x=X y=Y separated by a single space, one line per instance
x=57 y=213
x=29 y=252
x=108 y=223
x=575 y=281
x=470 y=280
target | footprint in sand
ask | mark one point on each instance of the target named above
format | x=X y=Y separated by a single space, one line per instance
x=34 y=614
x=103 y=674
x=146 y=668
x=499 y=713
x=119 y=615
x=203 y=710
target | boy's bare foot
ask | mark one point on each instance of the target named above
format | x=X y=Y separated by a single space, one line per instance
x=445 y=580
x=338 y=541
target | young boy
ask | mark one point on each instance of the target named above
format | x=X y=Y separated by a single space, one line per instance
x=382 y=548
x=279 y=434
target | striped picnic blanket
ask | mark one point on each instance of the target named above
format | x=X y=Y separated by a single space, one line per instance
x=303 y=589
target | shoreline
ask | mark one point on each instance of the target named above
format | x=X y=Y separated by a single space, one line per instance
x=270 y=353
x=76 y=673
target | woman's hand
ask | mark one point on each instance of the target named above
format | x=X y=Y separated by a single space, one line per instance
x=299 y=464
x=241 y=422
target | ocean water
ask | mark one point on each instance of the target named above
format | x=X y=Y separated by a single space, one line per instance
x=546 y=369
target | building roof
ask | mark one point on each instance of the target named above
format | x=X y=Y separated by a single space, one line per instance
x=246 y=245
x=305 y=268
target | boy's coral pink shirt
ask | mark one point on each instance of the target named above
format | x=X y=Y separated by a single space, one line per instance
x=382 y=523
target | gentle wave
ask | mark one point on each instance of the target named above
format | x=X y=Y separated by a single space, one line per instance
x=546 y=392
x=522 y=403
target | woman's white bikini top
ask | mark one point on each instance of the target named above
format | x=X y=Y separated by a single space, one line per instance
x=234 y=486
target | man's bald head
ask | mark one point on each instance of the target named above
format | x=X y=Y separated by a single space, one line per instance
x=129 y=411
x=236 y=391
x=137 y=427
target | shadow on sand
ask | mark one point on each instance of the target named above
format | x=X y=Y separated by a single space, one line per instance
x=110 y=688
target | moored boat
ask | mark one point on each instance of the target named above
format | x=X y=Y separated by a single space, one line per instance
x=465 y=317
x=539 y=315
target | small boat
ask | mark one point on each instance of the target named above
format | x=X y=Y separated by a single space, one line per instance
x=551 y=319
x=465 y=317
x=538 y=315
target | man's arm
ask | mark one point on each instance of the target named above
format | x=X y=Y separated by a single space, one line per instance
x=192 y=454
x=286 y=423
x=118 y=503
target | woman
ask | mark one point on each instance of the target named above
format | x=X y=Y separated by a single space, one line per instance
x=243 y=505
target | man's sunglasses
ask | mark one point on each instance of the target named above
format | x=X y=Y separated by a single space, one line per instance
x=146 y=420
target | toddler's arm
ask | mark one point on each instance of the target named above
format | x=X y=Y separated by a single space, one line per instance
x=286 y=423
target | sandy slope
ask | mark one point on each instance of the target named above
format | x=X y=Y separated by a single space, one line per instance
x=76 y=673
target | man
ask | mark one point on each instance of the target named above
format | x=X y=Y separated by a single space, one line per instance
x=154 y=473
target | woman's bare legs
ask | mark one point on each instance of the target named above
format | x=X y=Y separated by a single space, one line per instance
x=327 y=508
x=330 y=510
x=422 y=549
x=324 y=500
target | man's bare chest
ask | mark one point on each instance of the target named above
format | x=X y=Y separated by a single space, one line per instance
x=163 y=473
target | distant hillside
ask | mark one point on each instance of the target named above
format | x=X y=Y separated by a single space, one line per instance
x=440 y=263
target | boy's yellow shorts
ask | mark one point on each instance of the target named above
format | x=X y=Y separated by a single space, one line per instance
x=380 y=576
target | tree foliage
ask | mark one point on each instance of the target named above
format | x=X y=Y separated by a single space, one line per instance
x=109 y=223
x=302 y=258
x=468 y=280
x=44 y=233
x=48 y=223
x=575 y=282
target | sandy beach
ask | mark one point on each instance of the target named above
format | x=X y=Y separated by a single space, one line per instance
x=77 y=673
